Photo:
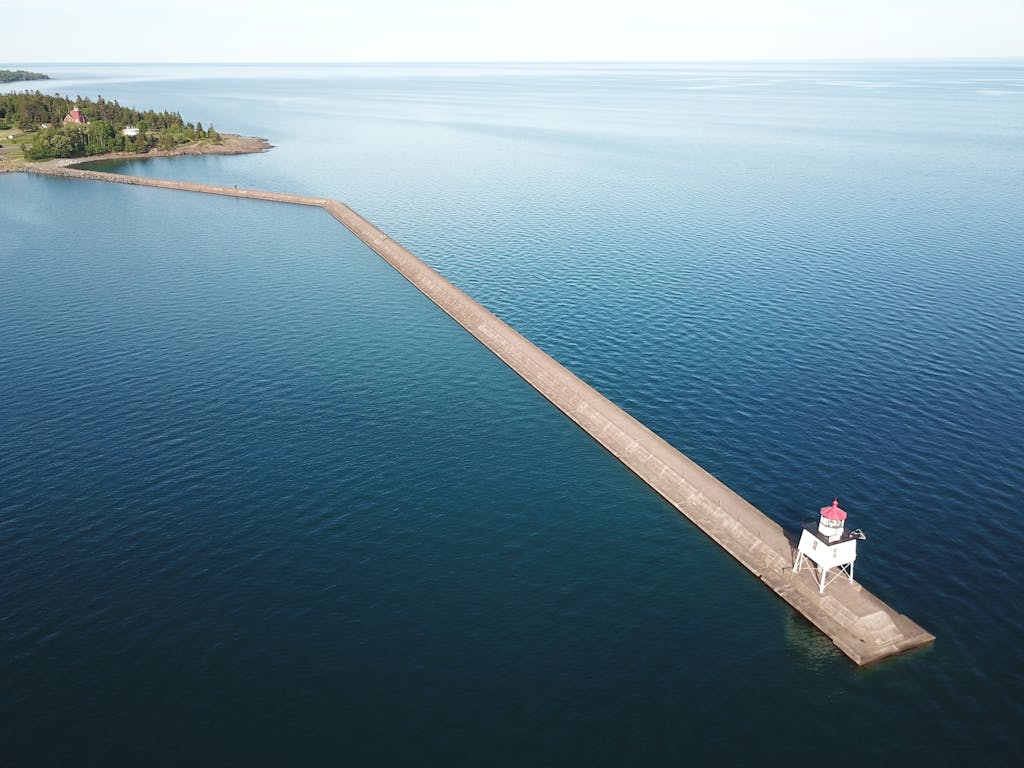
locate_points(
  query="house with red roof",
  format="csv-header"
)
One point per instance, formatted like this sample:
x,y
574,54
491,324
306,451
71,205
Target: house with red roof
x,y
74,116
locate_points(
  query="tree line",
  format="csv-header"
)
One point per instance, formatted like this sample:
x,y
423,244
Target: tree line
x,y
15,75
103,133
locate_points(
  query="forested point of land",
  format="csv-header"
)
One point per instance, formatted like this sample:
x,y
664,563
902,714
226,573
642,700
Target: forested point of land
x,y
103,133
17,75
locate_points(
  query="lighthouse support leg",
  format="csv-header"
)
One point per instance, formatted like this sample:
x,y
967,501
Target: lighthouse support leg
x,y
821,584
799,562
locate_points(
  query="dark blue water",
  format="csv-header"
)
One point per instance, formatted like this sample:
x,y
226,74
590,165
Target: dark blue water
x,y
261,503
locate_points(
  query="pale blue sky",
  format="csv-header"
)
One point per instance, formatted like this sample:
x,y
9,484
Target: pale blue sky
x,y
506,30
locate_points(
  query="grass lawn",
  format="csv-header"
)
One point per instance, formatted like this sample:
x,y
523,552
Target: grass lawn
x,y
12,140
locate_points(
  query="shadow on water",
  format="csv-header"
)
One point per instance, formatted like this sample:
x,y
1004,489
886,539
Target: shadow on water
x,y
812,647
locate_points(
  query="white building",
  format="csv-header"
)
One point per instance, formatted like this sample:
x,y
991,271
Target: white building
x,y
828,546
130,131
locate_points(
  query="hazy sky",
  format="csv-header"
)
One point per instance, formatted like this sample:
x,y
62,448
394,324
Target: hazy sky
x,y
506,30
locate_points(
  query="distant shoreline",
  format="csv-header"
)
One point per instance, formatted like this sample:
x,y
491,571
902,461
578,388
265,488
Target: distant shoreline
x,y
230,144
21,76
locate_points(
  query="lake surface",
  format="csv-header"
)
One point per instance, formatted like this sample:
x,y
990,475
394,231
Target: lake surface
x,y
262,503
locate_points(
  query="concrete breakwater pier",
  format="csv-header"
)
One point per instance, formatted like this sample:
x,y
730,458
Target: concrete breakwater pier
x,y
860,624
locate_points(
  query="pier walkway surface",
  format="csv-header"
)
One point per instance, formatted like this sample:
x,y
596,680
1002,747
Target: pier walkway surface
x,y
860,624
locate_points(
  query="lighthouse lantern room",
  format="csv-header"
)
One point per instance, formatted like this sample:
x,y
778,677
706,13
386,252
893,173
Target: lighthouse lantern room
x,y
828,546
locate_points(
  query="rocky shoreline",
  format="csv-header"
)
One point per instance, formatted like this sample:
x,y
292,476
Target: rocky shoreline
x,y
230,144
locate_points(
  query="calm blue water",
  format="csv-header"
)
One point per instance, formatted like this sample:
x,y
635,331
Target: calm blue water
x,y
261,503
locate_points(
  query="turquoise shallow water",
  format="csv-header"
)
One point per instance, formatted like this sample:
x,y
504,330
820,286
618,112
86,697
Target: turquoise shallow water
x,y
262,503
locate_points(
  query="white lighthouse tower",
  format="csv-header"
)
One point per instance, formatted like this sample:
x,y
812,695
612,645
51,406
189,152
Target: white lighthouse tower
x,y
828,546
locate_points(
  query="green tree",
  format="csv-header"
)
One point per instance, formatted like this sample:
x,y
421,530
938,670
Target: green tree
x,y
101,138
61,145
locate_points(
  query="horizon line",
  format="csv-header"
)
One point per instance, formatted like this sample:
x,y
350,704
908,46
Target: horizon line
x,y
399,62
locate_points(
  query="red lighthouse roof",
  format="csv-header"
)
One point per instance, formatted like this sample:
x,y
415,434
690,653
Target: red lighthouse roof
x,y
75,116
833,512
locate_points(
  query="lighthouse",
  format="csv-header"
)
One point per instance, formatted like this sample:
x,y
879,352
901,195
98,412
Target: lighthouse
x,y
828,546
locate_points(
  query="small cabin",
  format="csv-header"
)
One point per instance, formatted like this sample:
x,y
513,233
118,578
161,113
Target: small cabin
x,y
130,131
75,116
